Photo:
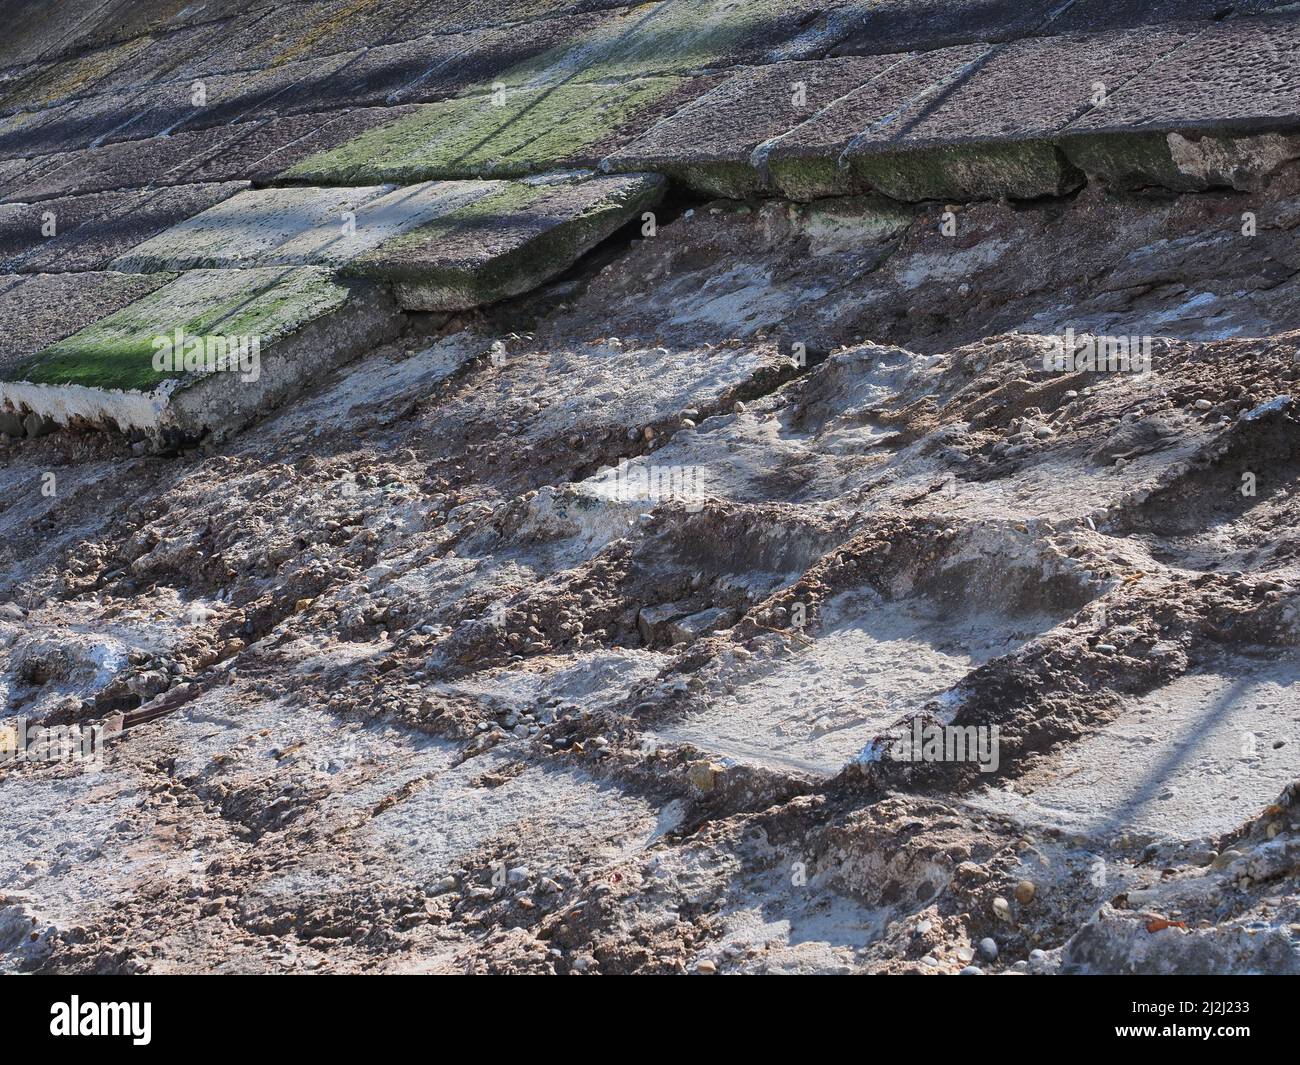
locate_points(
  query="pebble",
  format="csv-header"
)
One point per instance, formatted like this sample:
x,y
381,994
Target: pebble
x,y
965,955
989,948
1203,404
706,967
1002,908
971,970
1025,892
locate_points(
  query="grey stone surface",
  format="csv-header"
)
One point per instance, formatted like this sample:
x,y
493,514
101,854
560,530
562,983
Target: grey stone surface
x,y
92,230
40,309
246,151
1235,75
299,226
506,243
804,162
708,143
918,25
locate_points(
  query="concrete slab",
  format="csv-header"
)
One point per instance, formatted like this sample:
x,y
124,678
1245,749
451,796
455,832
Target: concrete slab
x,y
44,84
1032,88
1222,109
1242,75
892,26
37,310
1099,15
514,133
254,151
90,231
506,243
299,226
708,144
678,37
287,325
804,163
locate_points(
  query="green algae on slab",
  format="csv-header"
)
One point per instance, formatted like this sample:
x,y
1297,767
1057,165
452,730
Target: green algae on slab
x,y
117,352
972,171
511,133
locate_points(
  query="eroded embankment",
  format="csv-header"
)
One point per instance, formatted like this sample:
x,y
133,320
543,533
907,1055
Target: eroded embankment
x,y
580,634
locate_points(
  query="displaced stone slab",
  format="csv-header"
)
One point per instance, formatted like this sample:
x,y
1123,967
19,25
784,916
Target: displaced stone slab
x,y
708,144
37,310
1033,88
299,226
510,134
88,232
1017,169
1242,75
247,340
805,163
508,242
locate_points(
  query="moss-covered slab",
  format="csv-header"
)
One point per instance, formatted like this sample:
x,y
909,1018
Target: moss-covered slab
x,y
1017,169
37,310
505,134
710,144
1190,161
299,226
205,353
509,242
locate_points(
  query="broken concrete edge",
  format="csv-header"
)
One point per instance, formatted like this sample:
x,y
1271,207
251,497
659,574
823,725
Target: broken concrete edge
x,y
208,404
1183,159
425,287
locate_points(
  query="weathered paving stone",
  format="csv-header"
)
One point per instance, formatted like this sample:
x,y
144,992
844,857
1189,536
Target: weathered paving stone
x,y
915,25
254,151
688,36
299,226
37,310
506,243
438,66
518,132
1215,111
709,144
1095,15
1243,75
1032,88
89,231
805,163
301,321
43,84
